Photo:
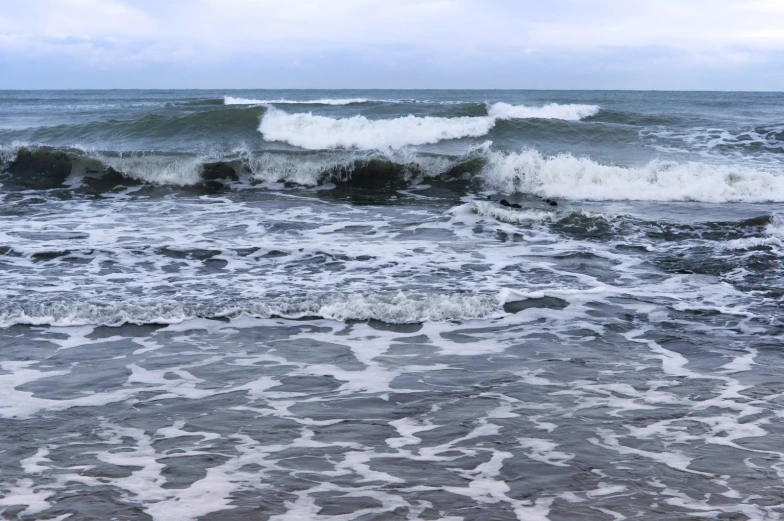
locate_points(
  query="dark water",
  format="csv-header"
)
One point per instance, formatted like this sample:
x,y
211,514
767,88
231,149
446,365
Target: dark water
x,y
381,305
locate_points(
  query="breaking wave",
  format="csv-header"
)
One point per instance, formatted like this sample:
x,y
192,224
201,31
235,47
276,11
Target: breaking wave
x,y
562,176
569,177
313,132
161,170
549,111
314,169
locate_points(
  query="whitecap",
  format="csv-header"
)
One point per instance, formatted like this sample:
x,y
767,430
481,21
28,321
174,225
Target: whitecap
x,y
313,132
570,112
569,177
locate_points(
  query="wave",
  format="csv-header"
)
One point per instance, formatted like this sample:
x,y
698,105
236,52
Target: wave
x,y
229,100
176,132
161,170
26,166
311,169
200,127
638,119
392,308
568,177
311,132
550,111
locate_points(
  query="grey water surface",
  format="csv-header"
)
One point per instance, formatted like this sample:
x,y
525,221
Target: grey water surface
x,y
391,305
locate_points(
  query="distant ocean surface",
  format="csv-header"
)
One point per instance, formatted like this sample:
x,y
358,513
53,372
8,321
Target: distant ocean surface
x,y
391,305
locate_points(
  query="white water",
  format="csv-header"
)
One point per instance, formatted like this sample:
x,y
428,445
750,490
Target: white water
x,y
320,132
314,132
569,177
569,112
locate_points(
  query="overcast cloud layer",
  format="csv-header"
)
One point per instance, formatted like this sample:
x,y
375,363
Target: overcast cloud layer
x,y
565,44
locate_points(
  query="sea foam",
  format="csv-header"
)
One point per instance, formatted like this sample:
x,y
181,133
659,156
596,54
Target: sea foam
x,y
569,177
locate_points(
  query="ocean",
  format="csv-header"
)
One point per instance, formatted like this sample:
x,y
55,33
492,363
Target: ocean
x,y
391,305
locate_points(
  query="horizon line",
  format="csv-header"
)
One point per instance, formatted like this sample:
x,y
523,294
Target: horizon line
x,y
66,89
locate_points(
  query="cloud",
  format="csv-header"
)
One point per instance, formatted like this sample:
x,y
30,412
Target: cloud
x,y
498,43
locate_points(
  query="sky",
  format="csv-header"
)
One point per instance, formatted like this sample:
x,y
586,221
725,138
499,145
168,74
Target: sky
x,y
506,44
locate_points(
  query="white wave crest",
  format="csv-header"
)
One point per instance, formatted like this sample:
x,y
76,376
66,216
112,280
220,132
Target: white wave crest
x,y
313,132
551,111
320,132
229,100
569,177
